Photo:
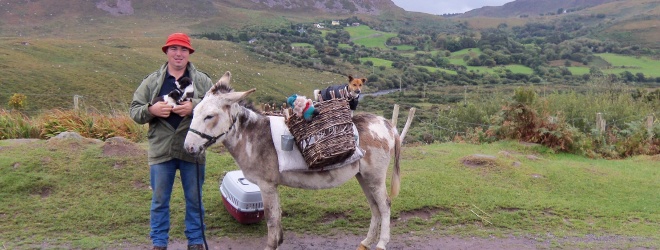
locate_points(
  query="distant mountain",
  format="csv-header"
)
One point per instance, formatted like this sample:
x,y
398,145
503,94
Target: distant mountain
x,y
25,17
533,8
25,10
371,7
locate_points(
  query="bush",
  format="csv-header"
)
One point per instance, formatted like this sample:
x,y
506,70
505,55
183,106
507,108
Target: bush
x,y
91,125
635,139
53,122
14,125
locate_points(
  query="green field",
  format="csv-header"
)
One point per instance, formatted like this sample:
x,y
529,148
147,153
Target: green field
x,y
473,52
433,69
69,194
377,61
622,63
519,69
617,64
404,47
303,45
579,70
364,35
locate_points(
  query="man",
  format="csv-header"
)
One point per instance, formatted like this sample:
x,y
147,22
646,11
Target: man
x,y
168,126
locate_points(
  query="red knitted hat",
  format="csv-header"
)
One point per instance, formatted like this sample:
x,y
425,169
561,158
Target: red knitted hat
x,y
180,39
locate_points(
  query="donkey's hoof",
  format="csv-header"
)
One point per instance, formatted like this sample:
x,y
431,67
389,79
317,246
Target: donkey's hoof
x,y
362,247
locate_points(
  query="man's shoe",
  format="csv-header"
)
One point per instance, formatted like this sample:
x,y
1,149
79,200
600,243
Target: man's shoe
x,y
159,248
196,247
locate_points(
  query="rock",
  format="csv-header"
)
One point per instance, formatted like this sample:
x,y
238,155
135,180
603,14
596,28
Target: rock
x,y
68,135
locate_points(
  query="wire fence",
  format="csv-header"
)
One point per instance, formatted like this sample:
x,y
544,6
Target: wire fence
x,y
442,127
78,102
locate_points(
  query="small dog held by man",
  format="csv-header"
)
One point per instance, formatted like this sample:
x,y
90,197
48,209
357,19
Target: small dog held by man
x,y
353,89
183,92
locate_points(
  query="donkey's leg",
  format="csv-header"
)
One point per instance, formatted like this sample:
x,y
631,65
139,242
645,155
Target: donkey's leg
x,y
384,206
375,215
273,214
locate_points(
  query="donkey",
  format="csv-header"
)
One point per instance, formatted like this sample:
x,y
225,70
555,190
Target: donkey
x,y
246,134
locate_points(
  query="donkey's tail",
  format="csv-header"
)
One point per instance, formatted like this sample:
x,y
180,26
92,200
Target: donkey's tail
x,y
396,174
411,114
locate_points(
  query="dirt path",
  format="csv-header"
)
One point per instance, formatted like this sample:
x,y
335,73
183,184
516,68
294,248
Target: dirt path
x,y
294,241
398,242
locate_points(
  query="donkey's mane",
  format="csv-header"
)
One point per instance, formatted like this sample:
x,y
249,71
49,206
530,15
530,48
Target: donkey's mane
x,y
221,88
249,105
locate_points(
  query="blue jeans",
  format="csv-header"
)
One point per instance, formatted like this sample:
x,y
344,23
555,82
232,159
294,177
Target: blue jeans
x,y
162,180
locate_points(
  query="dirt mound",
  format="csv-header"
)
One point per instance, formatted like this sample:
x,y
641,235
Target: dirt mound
x,y
119,146
478,160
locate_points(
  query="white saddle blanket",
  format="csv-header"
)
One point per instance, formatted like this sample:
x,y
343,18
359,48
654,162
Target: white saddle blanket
x,y
293,160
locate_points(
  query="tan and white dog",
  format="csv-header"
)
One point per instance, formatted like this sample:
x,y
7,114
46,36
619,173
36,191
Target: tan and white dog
x,y
353,88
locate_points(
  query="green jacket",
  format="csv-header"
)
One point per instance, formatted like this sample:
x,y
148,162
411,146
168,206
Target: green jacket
x,y
166,142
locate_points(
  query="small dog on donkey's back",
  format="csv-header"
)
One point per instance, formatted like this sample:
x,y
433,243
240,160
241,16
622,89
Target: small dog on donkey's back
x,y
353,88
183,92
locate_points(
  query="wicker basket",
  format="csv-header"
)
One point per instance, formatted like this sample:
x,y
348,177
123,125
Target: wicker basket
x,y
328,138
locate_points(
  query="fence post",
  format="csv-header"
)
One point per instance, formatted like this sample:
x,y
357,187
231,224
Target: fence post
x,y
649,126
600,122
465,96
76,100
395,115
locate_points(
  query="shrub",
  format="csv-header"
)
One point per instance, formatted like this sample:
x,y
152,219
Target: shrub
x,y
519,120
17,101
15,125
635,139
91,125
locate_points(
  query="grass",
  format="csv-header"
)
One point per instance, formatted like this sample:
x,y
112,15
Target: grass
x,y
579,70
377,61
364,35
473,52
404,47
302,45
106,72
519,69
433,69
70,193
621,63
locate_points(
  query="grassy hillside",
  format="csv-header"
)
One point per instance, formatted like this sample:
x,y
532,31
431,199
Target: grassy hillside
x,y
89,194
365,36
107,71
631,21
532,8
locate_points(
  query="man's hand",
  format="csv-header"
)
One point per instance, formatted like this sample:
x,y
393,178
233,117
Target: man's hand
x,y
160,109
184,109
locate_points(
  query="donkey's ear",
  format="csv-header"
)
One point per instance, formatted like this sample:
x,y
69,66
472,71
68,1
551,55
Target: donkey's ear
x,y
225,79
237,96
222,86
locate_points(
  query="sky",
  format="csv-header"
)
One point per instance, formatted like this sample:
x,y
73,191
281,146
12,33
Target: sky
x,y
440,7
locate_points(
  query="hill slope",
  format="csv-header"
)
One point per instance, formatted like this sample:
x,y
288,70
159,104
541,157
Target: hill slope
x,y
105,72
19,17
371,7
531,8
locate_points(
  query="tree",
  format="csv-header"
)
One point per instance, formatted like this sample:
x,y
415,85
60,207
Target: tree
x,y
327,60
627,76
595,71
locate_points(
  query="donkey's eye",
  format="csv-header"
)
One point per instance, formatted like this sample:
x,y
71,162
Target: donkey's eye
x,y
208,117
